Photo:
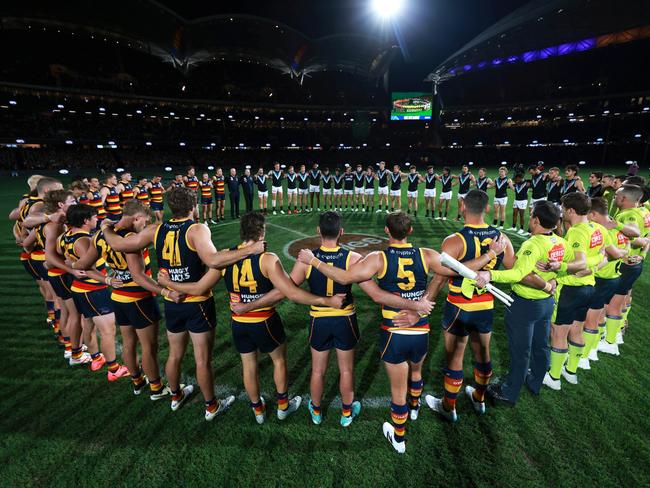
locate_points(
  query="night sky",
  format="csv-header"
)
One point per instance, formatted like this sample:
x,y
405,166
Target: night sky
x,y
431,29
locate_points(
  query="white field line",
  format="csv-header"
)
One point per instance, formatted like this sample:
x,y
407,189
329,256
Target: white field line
x,y
222,391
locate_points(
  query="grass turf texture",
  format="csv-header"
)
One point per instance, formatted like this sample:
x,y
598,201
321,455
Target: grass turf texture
x,y
63,426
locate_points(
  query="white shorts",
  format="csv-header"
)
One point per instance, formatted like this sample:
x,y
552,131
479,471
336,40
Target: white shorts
x,y
314,188
302,191
520,204
292,191
445,195
338,191
348,192
461,196
501,201
276,189
429,193
396,193
264,194
412,194
382,190
358,190
535,200
369,191
327,191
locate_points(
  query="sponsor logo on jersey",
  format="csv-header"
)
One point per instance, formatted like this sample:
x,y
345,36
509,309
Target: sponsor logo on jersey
x,y
596,239
556,253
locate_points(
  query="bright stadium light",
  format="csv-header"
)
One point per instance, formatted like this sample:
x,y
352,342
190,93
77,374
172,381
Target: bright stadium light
x,y
387,8
582,163
120,170
147,143
248,166
638,136
168,168
69,142
182,144
283,166
20,141
63,171
210,167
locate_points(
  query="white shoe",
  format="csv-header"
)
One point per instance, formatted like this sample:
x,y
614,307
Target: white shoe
x,y
67,354
438,218
282,212
479,407
414,412
206,224
607,348
387,211
84,348
318,209
593,354
363,209
294,403
261,417
500,227
154,397
378,210
444,218
570,377
619,338
521,232
187,391
224,405
84,359
551,383
436,405
389,433
274,212
512,229
584,363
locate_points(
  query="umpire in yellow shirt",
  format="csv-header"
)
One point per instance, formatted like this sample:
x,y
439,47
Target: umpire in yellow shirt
x,y
528,320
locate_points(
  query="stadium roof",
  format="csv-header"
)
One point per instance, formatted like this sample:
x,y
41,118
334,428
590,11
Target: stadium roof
x,y
151,27
546,28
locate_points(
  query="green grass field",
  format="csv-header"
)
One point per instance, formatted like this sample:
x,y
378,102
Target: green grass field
x,y
62,426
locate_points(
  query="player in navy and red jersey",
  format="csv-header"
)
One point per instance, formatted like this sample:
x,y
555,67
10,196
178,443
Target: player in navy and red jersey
x,y
185,249
219,182
401,269
468,310
192,182
142,191
30,215
90,291
66,322
111,197
157,190
206,186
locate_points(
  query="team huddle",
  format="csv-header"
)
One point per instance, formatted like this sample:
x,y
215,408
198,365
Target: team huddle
x,y
88,249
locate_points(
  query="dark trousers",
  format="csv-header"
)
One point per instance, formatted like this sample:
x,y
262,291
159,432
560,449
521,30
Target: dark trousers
x,y
248,197
528,324
234,205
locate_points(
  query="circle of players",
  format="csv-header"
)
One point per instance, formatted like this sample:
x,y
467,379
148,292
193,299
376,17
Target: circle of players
x,y
87,248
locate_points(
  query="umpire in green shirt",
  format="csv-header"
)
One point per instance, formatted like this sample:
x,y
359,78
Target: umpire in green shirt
x,y
528,320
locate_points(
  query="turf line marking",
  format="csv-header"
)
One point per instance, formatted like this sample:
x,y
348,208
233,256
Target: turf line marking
x,y
222,391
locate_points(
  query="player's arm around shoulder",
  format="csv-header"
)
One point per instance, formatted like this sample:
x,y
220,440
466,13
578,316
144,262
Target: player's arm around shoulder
x,y
509,256
196,288
362,270
133,242
272,267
